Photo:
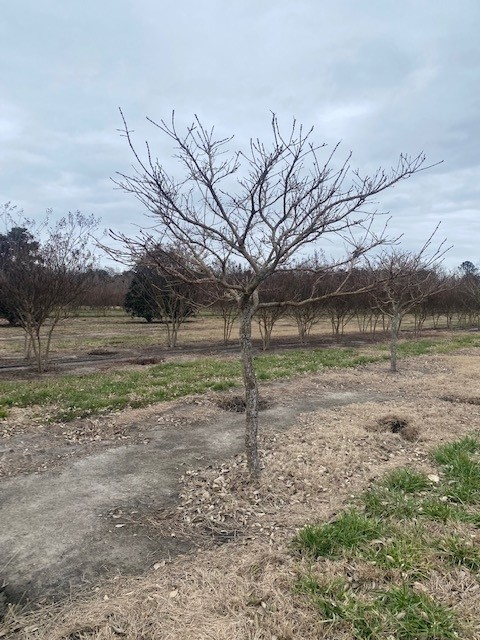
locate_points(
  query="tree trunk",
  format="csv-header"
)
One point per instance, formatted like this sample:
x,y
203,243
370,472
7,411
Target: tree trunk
x,y
228,320
248,304
394,329
302,331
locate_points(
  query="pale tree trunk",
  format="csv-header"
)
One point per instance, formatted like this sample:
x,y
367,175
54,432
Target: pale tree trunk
x,y
54,321
302,331
36,342
247,305
266,328
394,329
28,346
171,334
228,320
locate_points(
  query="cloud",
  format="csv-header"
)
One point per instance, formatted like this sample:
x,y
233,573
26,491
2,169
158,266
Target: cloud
x,y
383,77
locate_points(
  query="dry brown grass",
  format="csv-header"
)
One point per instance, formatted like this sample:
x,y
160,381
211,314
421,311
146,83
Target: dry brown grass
x,y
246,589
117,332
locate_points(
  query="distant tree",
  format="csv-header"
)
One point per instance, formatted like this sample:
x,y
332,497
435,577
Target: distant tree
x,y
469,294
44,277
467,268
17,246
340,309
271,290
107,289
227,309
285,201
155,293
141,297
304,282
404,280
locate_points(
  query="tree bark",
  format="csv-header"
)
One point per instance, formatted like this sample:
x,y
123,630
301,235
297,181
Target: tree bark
x,y
394,329
248,304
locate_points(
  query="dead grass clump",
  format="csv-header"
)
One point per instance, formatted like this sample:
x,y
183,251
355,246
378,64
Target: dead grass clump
x,y
233,592
461,399
394,424
236,403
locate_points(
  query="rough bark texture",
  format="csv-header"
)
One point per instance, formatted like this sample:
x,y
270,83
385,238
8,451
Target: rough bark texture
x,y
247,310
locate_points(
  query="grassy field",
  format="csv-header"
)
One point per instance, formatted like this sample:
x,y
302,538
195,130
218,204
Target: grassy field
x,y
70,396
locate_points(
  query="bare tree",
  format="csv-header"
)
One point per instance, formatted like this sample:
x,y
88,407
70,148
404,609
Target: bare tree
x,y
405,280
44,286
107,289
156,293
271,290
260,208
227,309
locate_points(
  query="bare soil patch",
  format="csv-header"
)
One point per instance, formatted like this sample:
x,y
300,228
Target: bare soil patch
x,y
340,439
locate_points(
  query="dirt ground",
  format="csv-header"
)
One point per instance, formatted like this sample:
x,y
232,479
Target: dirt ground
x,y
78,507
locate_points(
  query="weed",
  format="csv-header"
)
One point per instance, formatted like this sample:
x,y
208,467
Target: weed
x,y
380,502
330,597
459,552
407,480
85,395
399,612
452,452
349,531
384,535
405,550
461,470
438,509
414,615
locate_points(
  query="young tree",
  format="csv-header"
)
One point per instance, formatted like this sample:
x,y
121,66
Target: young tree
x,y
260,208
44,284
271,290
405,280
227,309
156,293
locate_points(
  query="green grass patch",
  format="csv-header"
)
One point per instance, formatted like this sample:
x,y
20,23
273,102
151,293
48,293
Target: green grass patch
x,y
274,366
425,346
399,612
405,549
330,598
391,540
73,396
461,468
349,531
381,502
451,453
412,615
407,480
461,552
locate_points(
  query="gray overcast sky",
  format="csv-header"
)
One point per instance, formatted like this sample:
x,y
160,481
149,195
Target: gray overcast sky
x,y
382,76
